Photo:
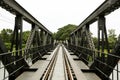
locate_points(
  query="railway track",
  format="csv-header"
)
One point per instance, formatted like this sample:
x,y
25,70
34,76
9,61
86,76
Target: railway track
x,y
59,60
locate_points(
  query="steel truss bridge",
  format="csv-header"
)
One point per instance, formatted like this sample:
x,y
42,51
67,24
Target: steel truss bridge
x,y
42,59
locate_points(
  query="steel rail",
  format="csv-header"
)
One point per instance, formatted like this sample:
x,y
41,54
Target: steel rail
x,y
78,74
47,75
49,71
69,73
68,67
65,70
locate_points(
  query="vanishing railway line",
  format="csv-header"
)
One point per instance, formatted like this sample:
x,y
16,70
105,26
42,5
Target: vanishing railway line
x,y
90,64
59,67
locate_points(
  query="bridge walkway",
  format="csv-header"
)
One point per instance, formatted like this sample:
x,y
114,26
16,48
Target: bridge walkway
x,y
39,69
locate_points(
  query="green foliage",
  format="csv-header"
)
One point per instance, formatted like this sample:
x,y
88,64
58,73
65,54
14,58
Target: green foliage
x,y
54,35
6,35
64,32
111,38
8,45
25,36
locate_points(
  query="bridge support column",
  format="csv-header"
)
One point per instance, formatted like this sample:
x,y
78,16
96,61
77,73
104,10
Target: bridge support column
x,y
49,39
17,35
102,34
41,37
102,45
34,42
38,37
76,38
45,38
17,41
71,40
50,42
83,37
79,38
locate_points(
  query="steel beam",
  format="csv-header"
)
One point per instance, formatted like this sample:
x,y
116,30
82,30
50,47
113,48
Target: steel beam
x,y
76,38
17,9
102,34
17,41
17,36
45,38
50,42
42,37
104,9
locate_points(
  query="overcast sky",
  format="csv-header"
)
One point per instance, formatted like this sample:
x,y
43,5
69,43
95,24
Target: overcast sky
x,y
58,13
54,14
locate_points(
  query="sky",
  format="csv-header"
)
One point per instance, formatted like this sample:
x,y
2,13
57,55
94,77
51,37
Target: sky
x,y
54,14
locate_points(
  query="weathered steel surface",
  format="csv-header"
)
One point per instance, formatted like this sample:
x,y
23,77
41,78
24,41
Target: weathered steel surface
x,y
104,9
79,74
13,7
41,65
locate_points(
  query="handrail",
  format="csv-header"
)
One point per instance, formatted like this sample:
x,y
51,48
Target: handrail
x,y
13,62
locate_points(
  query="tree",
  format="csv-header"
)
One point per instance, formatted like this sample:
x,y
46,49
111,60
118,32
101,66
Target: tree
x,y
25,36
54,35
111,38
64,32
6,35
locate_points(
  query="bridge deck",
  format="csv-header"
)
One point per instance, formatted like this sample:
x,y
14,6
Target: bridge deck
x,y
58,73
88,75
41,65
28,75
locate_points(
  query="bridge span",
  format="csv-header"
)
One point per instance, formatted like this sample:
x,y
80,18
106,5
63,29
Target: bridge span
x,y
59,65
44,59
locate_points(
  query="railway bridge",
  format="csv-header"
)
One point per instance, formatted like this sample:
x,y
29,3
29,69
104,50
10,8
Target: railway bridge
x,y
43,59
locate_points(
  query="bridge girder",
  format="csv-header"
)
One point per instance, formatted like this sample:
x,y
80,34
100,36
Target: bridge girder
x,y
82,44
38,43
104,9
13,7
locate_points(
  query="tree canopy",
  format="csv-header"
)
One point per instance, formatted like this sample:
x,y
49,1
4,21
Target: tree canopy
x,y
64,32
111,37
6,35
25,36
